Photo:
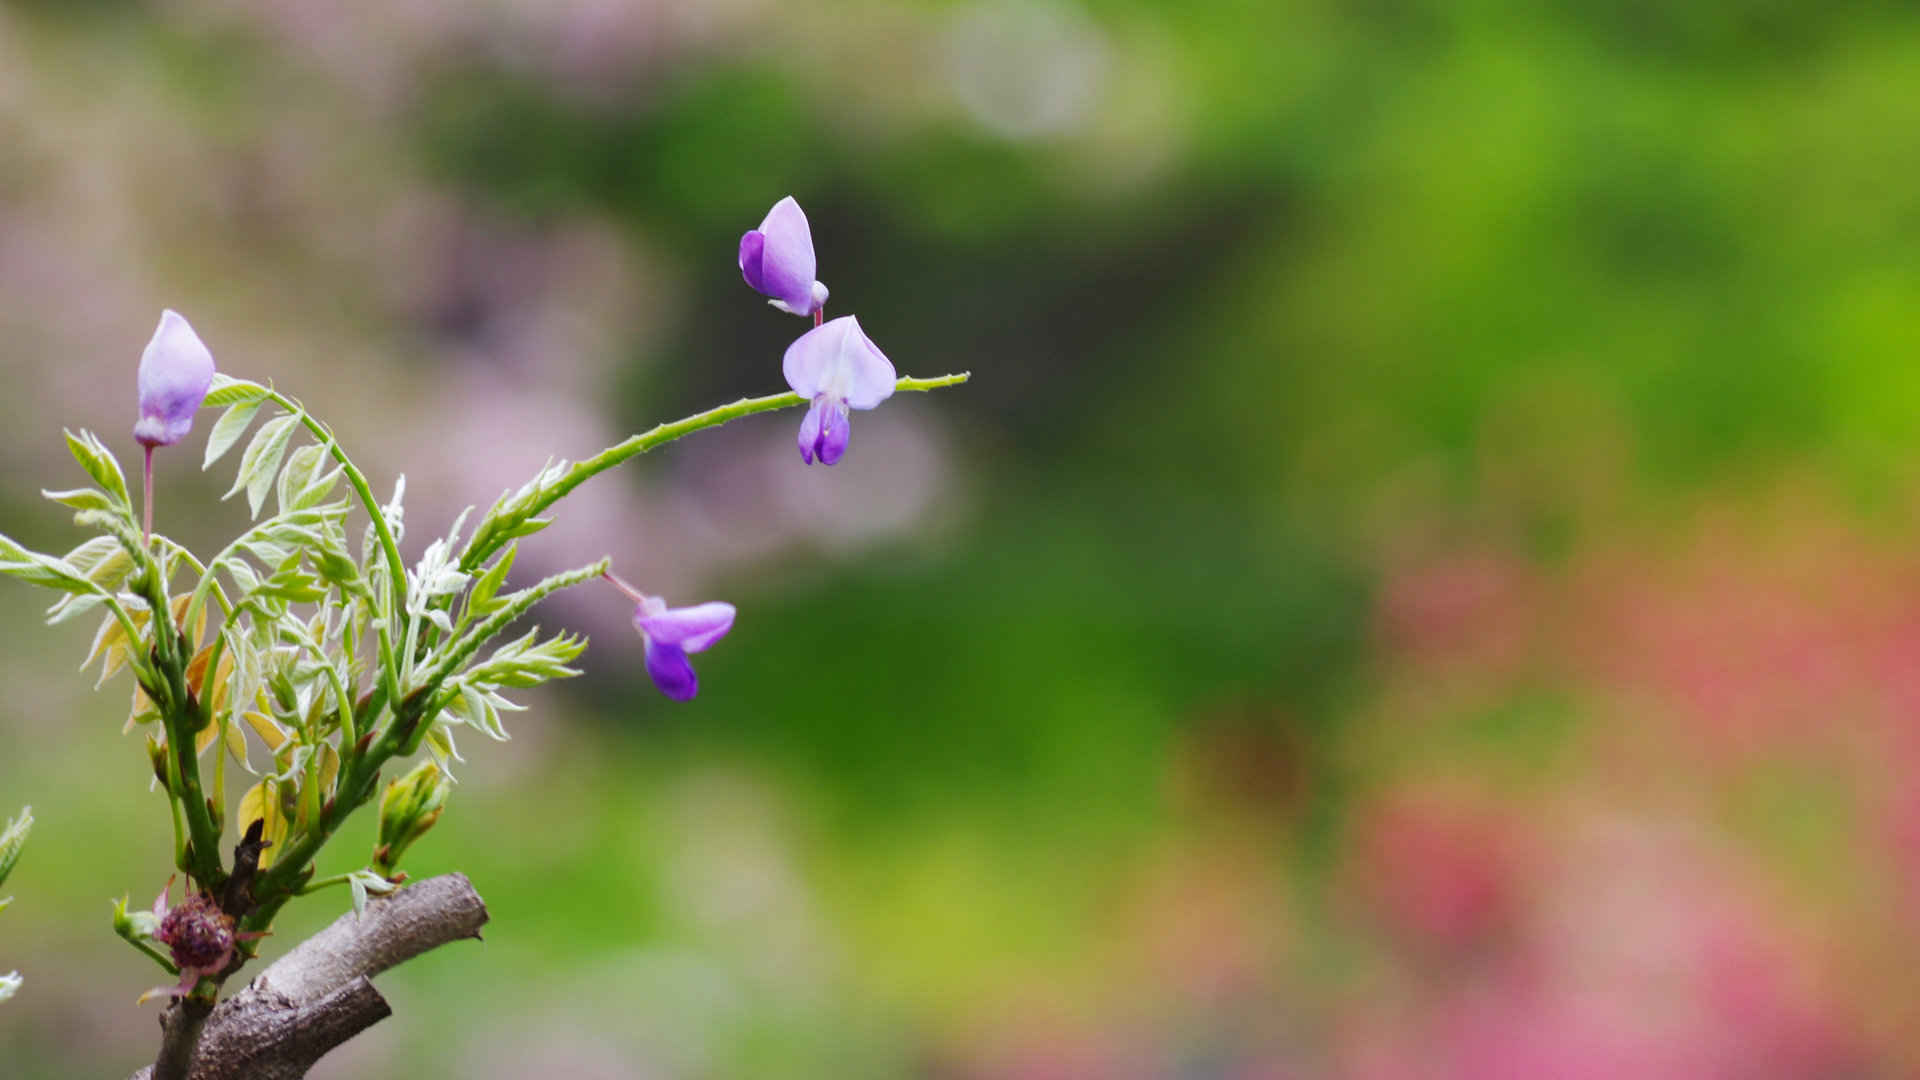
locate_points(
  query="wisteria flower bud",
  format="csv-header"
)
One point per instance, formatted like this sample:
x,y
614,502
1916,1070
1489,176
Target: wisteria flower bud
x,y
777,260
175,371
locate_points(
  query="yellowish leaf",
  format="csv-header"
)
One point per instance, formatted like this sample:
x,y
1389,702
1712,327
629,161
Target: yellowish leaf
x,y
179,605
262,803
142,711
270,733
236,742
329,768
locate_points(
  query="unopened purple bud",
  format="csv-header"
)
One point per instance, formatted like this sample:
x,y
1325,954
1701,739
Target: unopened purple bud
x,y
777,260
175,371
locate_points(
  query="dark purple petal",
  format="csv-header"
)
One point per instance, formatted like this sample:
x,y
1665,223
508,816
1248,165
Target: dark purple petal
x,y
671,671
834,433
690,628
810,429
751,245
175,371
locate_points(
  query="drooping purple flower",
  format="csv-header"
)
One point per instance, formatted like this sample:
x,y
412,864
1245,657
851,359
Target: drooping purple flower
x,y
836,367
777,260
175,371
671,633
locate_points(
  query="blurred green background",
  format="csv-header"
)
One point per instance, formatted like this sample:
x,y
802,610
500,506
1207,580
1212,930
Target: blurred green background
x,y
1422,583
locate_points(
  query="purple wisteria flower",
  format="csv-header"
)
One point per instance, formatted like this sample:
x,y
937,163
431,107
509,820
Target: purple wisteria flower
x,y
175,371
777,260
836,367
672,633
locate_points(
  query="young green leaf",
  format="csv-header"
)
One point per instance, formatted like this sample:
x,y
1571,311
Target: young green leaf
x,y
82,499
261,462
228,429
93,456
480,600
227,390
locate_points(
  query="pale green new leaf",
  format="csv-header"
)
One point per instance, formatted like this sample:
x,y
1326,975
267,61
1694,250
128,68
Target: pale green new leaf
x,y
303,467
526,662
227,390
473,709
38,569
93,456
228,429
480,600
82,499
262,459
12,839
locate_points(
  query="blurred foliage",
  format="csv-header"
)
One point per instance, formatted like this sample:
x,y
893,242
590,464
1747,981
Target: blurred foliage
x,y
1309,299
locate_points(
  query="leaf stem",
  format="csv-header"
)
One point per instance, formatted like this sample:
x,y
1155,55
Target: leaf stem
x,y
323,883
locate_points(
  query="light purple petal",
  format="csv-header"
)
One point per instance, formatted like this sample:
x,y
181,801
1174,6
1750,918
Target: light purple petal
x,y
809,363
869,374
786,257
175,372
810,429
819,301
834,433
751,245
690,628
839,360
670,670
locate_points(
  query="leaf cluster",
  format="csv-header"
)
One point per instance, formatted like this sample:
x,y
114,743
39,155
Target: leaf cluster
x,y
299,657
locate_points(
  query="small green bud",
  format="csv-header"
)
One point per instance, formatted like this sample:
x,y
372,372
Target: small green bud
x,y
157,753
335,566
408,808
137,925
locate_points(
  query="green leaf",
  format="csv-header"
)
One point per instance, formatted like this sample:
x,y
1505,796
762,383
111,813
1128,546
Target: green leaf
x,y
12,839
524,662
262,460
293,586
526,528
303,466
480,600
93,456
474,710
74,606
82,499
37,569
228,429
226,390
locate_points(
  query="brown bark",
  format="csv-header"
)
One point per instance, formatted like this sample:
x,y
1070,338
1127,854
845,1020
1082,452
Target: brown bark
x,y
318,996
